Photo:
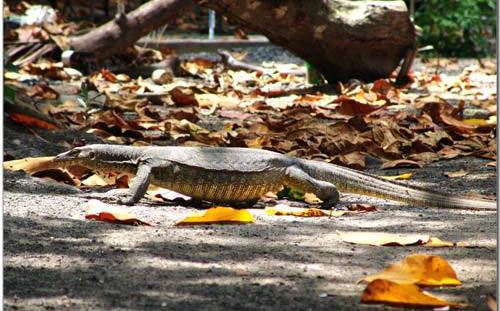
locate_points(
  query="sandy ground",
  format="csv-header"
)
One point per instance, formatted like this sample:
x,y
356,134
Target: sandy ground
x,y
54,259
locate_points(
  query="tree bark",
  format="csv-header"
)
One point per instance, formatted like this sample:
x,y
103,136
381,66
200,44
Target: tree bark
x,y
124,30
365,40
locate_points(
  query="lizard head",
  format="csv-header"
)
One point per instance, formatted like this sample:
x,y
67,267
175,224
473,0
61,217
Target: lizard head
x,y
101,157
79,155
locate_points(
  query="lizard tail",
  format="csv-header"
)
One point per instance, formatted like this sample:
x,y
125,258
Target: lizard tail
x,y
356,182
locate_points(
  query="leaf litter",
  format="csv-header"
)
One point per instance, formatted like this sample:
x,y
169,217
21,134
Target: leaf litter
x,y
210,105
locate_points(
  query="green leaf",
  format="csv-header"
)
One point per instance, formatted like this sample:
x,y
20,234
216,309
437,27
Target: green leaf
x,y
9,93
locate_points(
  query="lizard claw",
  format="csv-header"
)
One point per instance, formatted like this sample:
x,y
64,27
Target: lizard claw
x,y
331,203
128,202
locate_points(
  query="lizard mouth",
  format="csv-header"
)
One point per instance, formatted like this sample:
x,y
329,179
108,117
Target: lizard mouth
x,y
68,155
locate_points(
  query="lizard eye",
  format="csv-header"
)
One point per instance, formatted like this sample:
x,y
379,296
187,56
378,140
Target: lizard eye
x,y
91,155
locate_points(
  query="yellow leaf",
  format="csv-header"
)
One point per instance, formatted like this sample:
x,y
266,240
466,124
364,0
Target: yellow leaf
x,y
102,212
311,198
436,242
478,122
410,295
420,269
218,215
458,173
379,102
31,165
399,177
283,210
95,180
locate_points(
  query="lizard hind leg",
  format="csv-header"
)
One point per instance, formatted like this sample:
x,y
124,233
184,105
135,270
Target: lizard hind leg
x,y
327,192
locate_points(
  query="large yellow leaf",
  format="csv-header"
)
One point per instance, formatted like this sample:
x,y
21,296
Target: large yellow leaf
x,y
420,269
218,215
31,165
410,295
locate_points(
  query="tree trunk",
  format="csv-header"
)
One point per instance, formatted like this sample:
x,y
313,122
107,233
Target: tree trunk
x,y
365,40
124,30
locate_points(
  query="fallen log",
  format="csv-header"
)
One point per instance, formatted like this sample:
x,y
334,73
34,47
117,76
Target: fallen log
x,y
124,30
364,40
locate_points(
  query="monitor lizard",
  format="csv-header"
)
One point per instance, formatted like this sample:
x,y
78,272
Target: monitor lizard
x,y
242,174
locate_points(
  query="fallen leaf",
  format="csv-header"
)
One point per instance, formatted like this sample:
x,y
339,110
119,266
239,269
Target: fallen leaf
x,y
408,295
97,180
362,207
419,269
477,122
183,97
102,212
401,163
311,198
31,121
31,165
218,215
493,164
350,107
162,194
43,91
284,210
492,302
437,242
398,177
458,173
383,238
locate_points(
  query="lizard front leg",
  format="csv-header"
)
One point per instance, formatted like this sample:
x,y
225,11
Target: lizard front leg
x,y
327,192
140,183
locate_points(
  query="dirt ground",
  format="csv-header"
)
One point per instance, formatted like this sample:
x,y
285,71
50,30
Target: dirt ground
x,y
54,259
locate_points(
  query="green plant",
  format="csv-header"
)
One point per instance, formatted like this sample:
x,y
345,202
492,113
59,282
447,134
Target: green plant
x,y
458,27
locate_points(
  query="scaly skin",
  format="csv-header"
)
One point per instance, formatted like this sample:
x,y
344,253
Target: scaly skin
x,y
242,174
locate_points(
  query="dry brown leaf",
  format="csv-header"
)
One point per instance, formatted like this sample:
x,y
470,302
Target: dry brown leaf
x,y
354,160
492,302
31,121
218,215
426,157
284,210
459,173
43,91
350,107
440,113
109,76
102,212
493,164
407,295
401,163
449,153
183,97
362,207
419,269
